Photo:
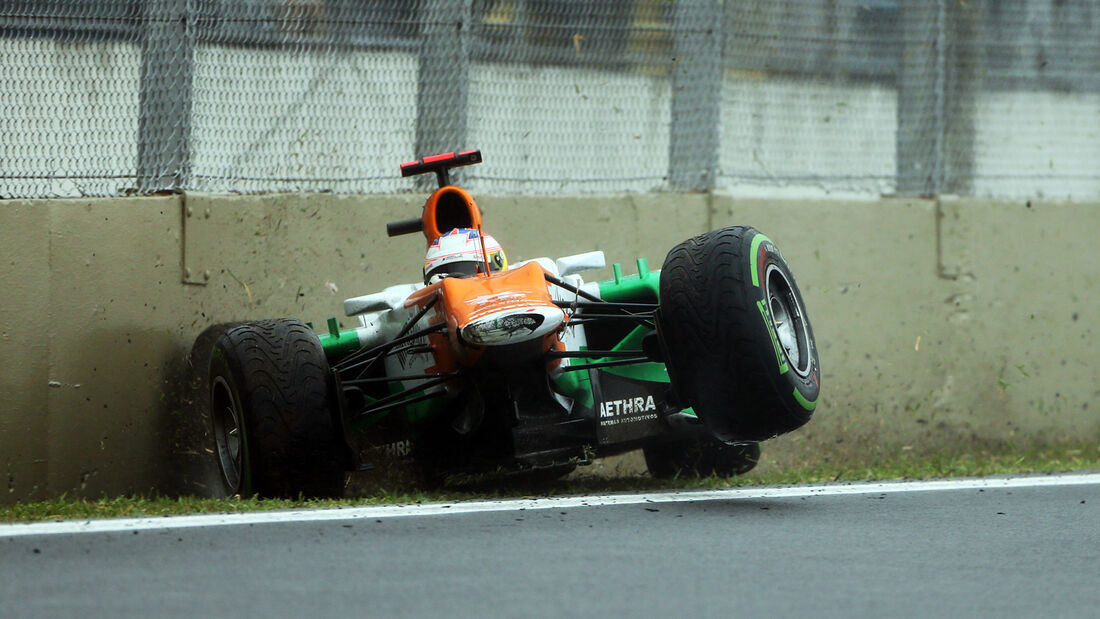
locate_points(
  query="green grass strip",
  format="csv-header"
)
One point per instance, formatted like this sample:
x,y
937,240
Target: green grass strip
x,y
1001,462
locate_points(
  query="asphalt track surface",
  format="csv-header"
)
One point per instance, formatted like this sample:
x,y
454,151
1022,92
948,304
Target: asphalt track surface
x,y
996,547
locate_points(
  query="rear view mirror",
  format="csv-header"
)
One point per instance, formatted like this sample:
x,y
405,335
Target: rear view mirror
x,y
579,263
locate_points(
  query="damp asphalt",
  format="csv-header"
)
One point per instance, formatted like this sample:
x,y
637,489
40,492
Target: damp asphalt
x,y
963,551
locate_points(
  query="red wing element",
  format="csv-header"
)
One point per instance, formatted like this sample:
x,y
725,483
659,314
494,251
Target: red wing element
x,y
440,164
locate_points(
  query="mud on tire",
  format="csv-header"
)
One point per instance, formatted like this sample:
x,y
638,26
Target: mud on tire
x,y
271,411
739,345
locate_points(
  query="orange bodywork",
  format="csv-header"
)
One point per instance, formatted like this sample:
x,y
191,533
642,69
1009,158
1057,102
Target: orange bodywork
x,y
455,196
465,299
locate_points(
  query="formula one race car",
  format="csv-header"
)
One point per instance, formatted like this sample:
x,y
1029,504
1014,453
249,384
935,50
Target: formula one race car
x,y
487,366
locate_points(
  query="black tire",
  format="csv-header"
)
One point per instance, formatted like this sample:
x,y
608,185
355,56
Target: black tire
x,y
739,346
271,412
707,456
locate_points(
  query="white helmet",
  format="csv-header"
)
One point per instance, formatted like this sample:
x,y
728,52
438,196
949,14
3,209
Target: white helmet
x,y
458,252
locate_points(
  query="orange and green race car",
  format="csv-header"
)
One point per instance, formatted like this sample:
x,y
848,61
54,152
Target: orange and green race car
x,y
488,366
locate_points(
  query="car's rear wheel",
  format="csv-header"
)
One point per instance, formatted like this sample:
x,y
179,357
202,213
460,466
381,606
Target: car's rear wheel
x,y
271,412
739,345
702,457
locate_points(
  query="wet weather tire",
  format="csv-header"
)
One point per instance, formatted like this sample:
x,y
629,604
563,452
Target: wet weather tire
x,y
691,458
739,347
271,414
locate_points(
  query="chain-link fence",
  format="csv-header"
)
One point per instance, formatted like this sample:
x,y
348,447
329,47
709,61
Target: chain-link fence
x,y
767,97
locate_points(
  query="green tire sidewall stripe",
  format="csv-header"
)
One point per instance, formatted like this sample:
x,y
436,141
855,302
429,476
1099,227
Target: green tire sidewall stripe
x,y
754,249
765,312
806,404
766,316
756,241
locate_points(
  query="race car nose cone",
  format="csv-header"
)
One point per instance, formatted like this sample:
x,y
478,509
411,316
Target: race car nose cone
x,y
513,325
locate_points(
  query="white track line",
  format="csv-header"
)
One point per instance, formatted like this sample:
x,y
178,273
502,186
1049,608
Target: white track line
x,y
66,527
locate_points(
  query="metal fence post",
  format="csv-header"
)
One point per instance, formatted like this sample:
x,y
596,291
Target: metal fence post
x,y
443,88
964,70
937,82
696,94
164,121
921,99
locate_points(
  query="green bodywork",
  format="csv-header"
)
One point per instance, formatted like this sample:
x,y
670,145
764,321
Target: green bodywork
x,y
338,344
641,288
644,287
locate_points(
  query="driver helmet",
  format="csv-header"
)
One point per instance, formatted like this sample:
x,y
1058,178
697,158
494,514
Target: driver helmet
x,y
458,253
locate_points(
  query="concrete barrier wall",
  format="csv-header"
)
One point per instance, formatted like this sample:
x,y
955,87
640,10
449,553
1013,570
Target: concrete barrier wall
x,y
948,323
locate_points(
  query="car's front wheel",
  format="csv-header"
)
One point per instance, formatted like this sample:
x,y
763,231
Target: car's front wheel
x,y
739,345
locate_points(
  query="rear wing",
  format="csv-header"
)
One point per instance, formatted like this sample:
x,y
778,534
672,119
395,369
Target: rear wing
x,y
441,164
